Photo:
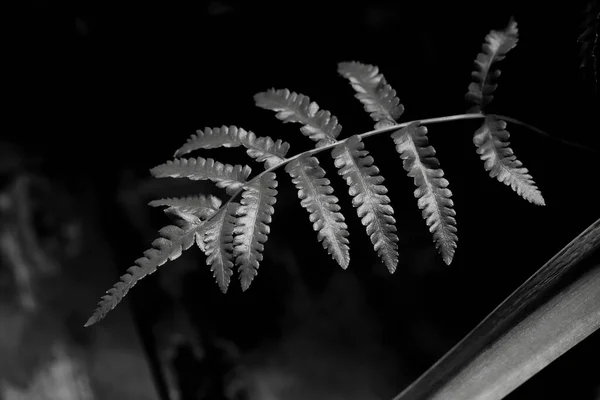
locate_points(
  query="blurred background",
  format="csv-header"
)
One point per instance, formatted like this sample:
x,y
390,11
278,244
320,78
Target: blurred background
x,y
88,111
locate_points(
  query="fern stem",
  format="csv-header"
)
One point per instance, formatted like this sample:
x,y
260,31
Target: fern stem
x,y
447,118
427,121
546,134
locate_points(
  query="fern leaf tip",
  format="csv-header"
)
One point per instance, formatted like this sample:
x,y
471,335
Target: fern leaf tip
x,y
344,263
391,264
537,199
448,257
245,283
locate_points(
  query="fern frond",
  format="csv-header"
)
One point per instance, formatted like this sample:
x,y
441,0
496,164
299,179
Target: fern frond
x,y
218,244
369,196
263,149
498,43
319,125
377,96
252,226
432,188
169,246
492,144
315,193
229,177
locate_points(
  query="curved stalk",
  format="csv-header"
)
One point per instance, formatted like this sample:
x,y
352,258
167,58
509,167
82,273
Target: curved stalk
x,y
428,121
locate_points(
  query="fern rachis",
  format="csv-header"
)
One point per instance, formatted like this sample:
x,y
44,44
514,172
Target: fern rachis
x,y
234,232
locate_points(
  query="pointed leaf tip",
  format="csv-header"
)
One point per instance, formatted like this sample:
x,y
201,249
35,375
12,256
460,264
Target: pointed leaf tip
x,y
448,259
245,284
172,242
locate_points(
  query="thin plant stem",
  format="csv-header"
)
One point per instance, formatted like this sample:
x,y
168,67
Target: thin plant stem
x,y
429,121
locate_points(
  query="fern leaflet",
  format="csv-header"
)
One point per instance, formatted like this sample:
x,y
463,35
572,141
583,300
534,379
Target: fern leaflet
x,y
210,139
373,91
226,176
498,43
252,226
317,197
432,189
319,125
492,144
218,244
368,195
263,149
169,246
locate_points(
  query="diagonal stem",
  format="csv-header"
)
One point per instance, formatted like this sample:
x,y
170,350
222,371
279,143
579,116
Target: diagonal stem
x,y
556,308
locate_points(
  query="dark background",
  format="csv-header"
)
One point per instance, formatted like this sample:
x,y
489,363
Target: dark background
x,y
102,104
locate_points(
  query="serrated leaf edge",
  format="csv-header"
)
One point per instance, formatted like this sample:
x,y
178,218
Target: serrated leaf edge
x,y
497,45
226,176
432,192
316,196
368,194
378,97
491,140
261,148
318,125
252,226
169,246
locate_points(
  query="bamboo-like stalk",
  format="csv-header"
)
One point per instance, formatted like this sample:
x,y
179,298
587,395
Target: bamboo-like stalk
x,y
556,308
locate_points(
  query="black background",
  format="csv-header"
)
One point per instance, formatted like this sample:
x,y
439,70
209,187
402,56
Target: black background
x,y
135,79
